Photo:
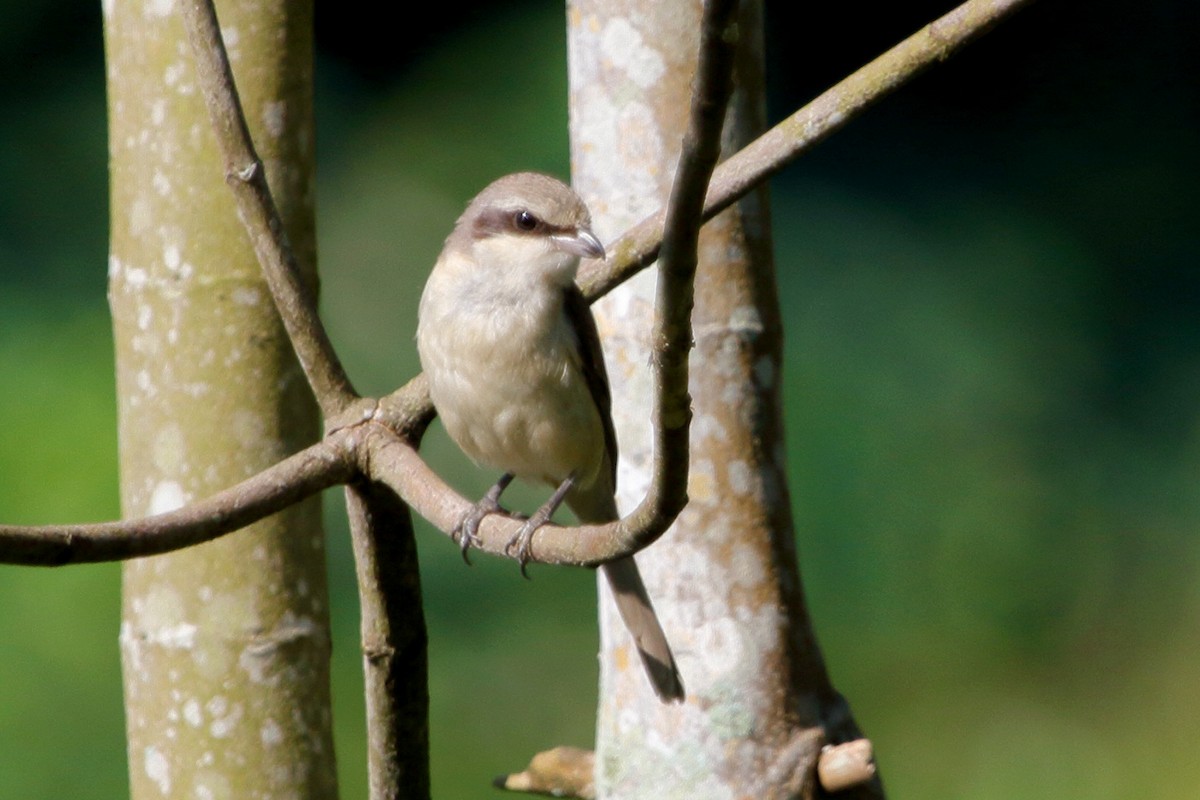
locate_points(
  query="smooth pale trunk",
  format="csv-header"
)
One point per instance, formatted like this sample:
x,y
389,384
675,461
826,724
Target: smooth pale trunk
x,y
724,579
225,646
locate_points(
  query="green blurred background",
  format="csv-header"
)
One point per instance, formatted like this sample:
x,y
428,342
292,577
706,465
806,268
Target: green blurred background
x,y
993,360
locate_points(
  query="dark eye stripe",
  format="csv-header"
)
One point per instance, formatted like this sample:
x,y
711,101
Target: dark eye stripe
x,y
493,221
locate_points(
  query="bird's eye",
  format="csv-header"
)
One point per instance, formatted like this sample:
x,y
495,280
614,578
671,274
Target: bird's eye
x,y
524,221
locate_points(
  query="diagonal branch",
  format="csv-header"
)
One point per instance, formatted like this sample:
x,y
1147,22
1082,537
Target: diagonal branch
x,y
768,154
247,177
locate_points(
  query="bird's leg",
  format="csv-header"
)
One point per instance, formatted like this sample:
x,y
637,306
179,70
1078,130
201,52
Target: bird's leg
x,y
465,532
524,538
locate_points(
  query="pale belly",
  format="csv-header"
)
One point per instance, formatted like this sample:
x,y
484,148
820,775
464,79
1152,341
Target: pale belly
x,y
513,406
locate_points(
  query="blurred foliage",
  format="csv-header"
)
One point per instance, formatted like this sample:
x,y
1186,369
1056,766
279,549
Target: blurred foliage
x,y
992,366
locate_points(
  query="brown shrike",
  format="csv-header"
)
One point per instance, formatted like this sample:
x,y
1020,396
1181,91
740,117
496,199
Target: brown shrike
x,y
516,373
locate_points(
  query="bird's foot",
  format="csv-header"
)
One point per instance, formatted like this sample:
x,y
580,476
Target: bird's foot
x,y
521,545
466,532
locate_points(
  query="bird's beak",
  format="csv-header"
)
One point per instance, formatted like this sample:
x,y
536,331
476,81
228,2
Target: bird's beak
x,y
580,242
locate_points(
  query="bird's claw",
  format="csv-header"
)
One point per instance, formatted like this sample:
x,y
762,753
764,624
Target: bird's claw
x,y
465,538
521,545
466,533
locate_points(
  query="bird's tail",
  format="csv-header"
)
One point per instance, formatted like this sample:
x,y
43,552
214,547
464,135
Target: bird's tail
x,y
596,504
639,617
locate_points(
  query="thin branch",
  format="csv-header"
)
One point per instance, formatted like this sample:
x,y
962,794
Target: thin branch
x,y
395,668
395,463
672,334
318,467
768,154
247,177
366,448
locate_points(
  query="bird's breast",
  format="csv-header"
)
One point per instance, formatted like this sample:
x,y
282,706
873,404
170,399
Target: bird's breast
x,y
506,382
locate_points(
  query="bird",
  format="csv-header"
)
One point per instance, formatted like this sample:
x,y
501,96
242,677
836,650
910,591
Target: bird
x,y
516,374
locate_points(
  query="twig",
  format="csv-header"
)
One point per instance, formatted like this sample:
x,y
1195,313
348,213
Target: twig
x,y
247,177
327,463
768,154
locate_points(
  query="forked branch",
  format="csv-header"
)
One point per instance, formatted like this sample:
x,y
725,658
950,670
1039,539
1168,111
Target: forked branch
x,y
386,432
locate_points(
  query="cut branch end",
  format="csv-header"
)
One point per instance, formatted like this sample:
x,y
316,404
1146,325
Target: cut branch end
x,y
847,765
561,772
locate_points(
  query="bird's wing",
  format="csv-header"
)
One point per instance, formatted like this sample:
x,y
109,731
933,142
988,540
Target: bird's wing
x,y
591,356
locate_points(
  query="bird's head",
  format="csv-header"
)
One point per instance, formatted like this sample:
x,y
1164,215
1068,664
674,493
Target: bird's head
x,y
530,224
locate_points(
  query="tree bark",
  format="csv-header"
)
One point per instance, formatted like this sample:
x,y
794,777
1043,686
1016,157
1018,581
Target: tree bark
x,y
225,646
725,579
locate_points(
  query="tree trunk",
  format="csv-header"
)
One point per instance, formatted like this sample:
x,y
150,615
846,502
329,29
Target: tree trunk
x,y
725,578
225,646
